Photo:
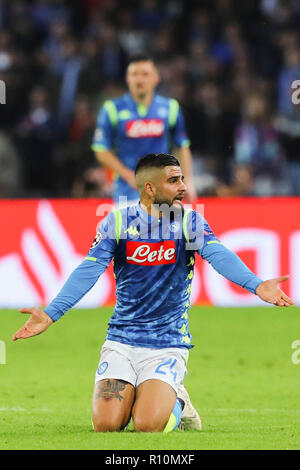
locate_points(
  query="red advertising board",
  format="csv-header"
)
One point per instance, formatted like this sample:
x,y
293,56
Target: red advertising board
x,y
42,241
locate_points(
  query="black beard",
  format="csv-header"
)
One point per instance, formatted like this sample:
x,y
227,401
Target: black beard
x,y
162,201
168,208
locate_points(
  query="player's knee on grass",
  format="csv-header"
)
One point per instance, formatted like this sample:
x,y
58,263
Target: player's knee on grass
x,y
143,423
153,406
112,403
106,425
110,420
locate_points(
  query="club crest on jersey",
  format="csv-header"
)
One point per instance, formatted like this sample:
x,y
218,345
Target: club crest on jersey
x,y
139,128
151,254
174,227
97,240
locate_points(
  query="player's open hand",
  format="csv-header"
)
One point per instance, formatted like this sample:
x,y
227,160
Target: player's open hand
x,y
271,293
37,323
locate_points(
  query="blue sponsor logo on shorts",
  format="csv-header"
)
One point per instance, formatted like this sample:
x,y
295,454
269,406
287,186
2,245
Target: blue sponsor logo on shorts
x,y
102,368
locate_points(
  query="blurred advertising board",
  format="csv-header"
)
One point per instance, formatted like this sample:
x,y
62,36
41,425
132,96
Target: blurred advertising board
x,y
42,241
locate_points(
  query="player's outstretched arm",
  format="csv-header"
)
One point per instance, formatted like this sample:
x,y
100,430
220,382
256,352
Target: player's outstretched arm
x,y
271,293
37,323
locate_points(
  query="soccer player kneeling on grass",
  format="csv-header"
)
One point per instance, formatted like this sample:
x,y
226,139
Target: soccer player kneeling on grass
x,y
153,244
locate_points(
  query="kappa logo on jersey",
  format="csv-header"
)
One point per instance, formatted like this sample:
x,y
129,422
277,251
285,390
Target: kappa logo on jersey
x,y
133,231
97,240
151,254
140,128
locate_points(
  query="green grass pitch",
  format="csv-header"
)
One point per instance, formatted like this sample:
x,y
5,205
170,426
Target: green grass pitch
x,y
241,379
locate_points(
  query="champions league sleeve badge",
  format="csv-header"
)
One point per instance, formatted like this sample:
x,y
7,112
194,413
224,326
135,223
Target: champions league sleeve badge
x,y
97,240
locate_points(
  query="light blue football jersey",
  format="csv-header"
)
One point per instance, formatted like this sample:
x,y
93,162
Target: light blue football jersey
x,y
132,131
154,267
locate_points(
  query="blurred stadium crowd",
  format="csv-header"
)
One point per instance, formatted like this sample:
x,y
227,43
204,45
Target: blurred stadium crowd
x,y
230,64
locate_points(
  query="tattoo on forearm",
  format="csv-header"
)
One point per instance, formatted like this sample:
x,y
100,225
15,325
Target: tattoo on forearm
x,y
110,389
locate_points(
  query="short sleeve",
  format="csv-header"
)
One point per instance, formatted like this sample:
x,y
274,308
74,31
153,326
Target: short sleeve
x,y
180,136
198,232
103,136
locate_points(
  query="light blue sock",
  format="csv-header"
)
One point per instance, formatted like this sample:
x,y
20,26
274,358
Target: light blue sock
x,y
175,417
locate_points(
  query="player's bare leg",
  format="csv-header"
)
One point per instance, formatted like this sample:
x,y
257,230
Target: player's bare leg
x,y
153,406
112,404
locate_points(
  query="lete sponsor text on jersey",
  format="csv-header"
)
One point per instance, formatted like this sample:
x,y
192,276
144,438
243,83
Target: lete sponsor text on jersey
x,y
151,254
140,128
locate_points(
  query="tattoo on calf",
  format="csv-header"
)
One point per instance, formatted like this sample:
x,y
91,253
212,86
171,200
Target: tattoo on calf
x,y
110,389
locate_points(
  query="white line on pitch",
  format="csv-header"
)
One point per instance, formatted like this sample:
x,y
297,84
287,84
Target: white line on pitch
x,y
20,409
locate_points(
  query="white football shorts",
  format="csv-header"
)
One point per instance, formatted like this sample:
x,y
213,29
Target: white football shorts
x,y
136,365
